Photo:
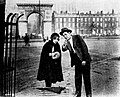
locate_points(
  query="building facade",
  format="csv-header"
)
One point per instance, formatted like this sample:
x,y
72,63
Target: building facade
x,y
86,23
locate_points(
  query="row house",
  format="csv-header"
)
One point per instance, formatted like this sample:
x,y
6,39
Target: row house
x,y
86,23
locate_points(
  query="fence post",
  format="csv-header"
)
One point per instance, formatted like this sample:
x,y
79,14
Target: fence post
x,y
2,31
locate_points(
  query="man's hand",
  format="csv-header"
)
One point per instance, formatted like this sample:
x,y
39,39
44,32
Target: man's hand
x,y
83,63
64,44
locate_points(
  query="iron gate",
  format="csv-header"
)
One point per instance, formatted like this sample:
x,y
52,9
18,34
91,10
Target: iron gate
x,y
8,71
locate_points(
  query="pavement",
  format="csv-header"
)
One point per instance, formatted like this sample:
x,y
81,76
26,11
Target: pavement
x,y
101,86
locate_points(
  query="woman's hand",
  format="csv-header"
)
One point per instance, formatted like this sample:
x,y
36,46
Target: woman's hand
x,y
51,54
55,55
83,63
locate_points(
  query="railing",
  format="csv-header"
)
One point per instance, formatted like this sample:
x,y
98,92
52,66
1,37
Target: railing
x,y
8,71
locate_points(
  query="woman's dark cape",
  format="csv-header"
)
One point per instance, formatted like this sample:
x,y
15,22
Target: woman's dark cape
x,y
50,69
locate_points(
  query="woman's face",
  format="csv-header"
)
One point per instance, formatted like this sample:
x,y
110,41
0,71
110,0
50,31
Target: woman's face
x,y
55,40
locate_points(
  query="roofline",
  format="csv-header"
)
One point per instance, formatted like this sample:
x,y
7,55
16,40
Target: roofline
x,y
34,4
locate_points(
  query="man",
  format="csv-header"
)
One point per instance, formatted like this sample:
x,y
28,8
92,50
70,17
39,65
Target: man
x,y
80,58
26,39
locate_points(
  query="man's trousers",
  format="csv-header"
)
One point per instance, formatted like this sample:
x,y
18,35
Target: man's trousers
x,y
82,71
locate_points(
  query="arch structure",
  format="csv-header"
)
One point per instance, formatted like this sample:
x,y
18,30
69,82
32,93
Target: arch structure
x,y
45,17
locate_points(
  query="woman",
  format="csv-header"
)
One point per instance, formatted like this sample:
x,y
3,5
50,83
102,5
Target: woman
x,y
50,68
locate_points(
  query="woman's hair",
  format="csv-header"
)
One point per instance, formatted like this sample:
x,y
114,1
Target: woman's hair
x,y
54,35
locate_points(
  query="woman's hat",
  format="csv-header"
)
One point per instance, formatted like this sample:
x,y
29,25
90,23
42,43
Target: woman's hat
x,y
65,30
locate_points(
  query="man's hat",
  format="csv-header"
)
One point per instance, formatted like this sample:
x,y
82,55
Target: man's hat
x,y
65,30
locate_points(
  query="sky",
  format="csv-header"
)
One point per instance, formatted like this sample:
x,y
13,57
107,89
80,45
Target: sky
x,y
81,5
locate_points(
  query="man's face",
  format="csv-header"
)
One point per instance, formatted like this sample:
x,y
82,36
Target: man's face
x,y
67,35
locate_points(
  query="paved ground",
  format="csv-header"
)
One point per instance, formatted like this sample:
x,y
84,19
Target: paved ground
x,y
105,74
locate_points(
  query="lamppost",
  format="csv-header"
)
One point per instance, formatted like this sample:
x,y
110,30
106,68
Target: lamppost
x,y
41,23
39,18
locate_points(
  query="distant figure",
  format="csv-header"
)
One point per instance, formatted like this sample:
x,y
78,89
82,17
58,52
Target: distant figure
x,y
50,68
26,39
18,37
45,39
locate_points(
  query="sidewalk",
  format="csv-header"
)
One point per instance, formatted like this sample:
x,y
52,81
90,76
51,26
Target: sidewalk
x,y
68,83
105,77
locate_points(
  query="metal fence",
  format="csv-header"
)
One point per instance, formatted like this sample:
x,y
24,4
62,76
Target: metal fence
x,y
8,71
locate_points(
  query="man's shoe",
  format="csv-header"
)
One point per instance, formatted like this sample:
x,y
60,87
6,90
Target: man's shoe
x,y
77,94
89,95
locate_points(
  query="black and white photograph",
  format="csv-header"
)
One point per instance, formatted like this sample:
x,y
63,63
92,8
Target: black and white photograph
x,y
59,48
